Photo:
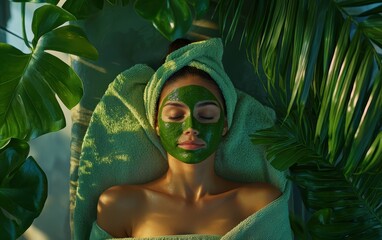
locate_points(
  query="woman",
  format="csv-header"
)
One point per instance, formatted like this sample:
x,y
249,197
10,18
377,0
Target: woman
x,y
190,198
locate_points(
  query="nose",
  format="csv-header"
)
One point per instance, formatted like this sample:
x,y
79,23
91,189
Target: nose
x,y
191,131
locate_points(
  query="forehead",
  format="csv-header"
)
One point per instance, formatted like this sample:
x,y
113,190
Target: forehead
x,y
190,80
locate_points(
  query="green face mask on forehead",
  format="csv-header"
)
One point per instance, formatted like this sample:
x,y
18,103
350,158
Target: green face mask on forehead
x,y
191,122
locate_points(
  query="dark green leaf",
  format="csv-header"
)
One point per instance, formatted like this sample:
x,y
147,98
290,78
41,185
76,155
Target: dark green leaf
x,y
360,87
372,27
171,18
371,11
200,7
371,119
23,189
47,18
83,8
38,1
334,71
298,227
113,2
125,2
356,3
149,9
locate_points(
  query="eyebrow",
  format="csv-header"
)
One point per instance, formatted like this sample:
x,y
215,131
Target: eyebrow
x,y
207,103
174,104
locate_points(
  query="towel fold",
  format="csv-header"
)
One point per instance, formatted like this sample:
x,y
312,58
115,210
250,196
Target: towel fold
x,y
121,145
98,233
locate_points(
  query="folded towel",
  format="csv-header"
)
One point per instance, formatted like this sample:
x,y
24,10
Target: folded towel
x,y
98,233
121,145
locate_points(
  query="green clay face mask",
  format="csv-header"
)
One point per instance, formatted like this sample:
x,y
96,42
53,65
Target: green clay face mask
x,y
191,122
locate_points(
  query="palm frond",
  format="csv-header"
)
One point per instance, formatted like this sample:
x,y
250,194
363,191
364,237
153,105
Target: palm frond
x,y
320,63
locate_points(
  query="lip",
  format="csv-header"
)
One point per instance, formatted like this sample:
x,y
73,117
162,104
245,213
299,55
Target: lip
x,y
189,145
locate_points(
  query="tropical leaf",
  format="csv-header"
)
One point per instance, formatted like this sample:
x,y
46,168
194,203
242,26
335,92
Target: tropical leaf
x,y
114,2
29,81
23,189
320,63
171,18
37,1
199,7
83,9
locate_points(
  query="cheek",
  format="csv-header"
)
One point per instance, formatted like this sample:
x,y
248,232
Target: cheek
x,y
211,132
169,131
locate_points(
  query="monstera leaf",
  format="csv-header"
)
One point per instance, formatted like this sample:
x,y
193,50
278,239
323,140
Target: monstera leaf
x,y
23,189
83,8
30,81
171,18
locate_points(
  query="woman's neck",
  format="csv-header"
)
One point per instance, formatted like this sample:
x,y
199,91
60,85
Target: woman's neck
x,y
191,181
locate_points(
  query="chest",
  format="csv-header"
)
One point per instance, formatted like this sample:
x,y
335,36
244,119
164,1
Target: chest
x,y
168,217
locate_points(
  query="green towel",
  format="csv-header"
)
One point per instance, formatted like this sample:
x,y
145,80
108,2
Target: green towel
x,y
204,55
121,145
100,234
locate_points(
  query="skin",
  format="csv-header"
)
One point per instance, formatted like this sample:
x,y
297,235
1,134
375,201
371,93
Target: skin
x,y
189,198
190,123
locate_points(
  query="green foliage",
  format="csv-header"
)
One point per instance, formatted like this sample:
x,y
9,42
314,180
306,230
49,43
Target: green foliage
x,y
23,189
28,104
30,83
321,67
38,1
171,18
83,8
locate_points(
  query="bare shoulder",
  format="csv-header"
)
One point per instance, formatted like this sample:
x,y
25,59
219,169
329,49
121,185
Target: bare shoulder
x,y
255,196
117,206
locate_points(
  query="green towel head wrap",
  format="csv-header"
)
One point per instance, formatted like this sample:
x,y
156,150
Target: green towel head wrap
x,y
204,55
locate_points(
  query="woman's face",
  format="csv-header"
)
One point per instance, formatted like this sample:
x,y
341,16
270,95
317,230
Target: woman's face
x,y
190,119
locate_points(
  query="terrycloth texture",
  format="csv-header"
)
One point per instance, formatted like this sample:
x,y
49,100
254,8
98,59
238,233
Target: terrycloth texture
x,y
99,234
121,146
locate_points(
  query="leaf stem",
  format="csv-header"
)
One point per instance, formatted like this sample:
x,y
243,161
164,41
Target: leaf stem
x,y
25,37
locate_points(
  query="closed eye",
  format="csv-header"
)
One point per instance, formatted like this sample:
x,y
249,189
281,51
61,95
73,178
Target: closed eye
x,y
179,117
206,117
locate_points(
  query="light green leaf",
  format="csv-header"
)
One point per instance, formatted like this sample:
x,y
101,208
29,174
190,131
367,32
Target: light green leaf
x,y
67,39
47,18
372,161
29,82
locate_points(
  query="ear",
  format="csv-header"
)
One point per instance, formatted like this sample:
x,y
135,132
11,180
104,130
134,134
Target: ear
x,y
157,130
225,128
